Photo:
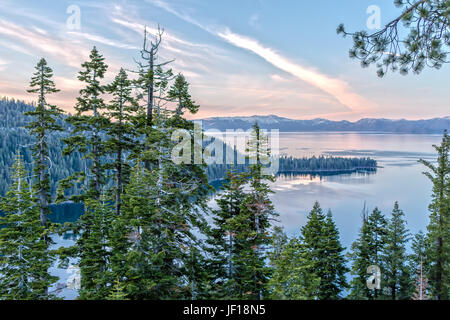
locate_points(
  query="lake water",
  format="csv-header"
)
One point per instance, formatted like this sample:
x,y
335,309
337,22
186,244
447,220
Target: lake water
x,y
399,179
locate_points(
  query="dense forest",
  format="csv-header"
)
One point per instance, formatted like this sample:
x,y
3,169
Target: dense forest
x,y
14,136
144,232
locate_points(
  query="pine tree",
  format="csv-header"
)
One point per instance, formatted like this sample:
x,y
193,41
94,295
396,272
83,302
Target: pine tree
x,y
24,259
44,122
92,248
89,121
325,252
293,276
221,240
118,292
179,93
121,132
396,273
421,285
420,247
86,137
365,252
152,82
334,281
149,270
253,224
438,227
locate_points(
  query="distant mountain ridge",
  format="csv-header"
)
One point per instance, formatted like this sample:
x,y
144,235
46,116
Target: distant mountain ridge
x,y
435,125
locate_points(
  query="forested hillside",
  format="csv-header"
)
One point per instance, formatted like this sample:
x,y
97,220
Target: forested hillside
x,y
14,136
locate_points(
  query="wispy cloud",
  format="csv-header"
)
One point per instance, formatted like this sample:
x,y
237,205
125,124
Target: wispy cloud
x,y
338,88
67,52
103,40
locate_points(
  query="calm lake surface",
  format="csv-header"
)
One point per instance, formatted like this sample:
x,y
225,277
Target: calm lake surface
x,y
400,179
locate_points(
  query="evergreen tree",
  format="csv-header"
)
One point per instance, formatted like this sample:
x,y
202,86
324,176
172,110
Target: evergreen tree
x,y
24,258
293,276
252,225
396,273
221,240
120,132
147,268
439,225
179,93
421,285
423,42
118,292
367,251
89,121
324,251
92,248
87,125
152,82
44,123
334,281
420,247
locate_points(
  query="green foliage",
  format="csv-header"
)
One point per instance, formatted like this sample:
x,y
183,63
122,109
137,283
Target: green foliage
x,y
44,122
91,248
24,259
419,37
293,276
121,132
439,228
396,272
89,121
222,237
325,253
367,251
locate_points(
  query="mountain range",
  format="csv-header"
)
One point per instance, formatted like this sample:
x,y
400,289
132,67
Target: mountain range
x,y
435,125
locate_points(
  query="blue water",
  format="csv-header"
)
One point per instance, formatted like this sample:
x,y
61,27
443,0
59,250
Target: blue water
x,y
399,179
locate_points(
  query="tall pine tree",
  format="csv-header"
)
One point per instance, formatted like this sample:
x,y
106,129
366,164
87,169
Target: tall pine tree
x,y
222,248
367,251
439,226
253,224
325,252
24,258
292,276
397,274
88,122
121,133
44,122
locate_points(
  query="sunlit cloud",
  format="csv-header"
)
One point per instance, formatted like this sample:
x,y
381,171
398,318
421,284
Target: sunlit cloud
x,y
67,52
337,88
103,40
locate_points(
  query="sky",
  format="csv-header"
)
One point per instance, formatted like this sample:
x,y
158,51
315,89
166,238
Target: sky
x,y
241,57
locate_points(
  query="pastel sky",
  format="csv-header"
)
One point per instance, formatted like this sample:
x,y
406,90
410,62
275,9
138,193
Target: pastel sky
x,y
242,57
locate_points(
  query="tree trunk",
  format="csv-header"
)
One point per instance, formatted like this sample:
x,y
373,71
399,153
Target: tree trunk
x,y
150,102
